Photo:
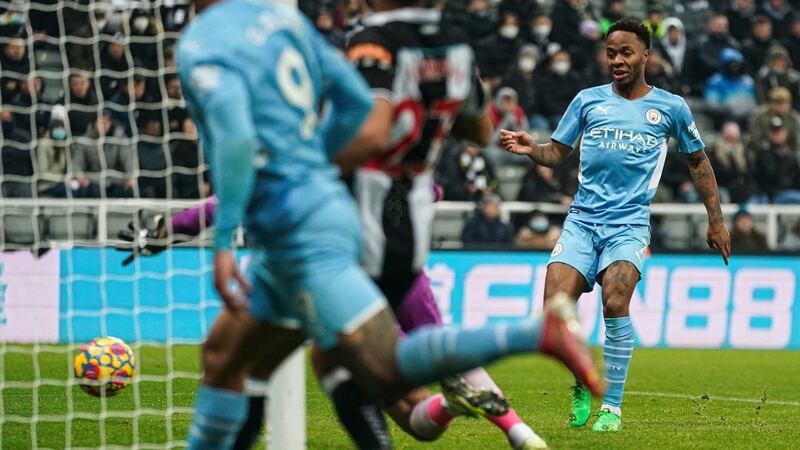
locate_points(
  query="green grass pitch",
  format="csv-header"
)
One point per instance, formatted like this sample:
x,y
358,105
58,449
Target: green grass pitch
x,y
676,399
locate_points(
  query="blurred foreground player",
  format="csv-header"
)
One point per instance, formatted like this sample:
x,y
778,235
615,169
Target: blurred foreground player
x,y
254,76
624,126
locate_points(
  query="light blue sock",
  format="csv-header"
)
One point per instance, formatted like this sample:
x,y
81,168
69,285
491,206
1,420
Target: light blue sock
x,y
432,353
218,416
617,352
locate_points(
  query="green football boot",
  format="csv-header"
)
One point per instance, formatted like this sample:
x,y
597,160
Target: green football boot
x,y
607,422
581,406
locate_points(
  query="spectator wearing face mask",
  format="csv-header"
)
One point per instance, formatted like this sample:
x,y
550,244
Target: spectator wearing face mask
x,y
500,49
520,78
780,105
465,174
777,71
52,156
539,30
730,94
486,226
673,43
731,167
144,51
755,48
538,233
702,59
557,87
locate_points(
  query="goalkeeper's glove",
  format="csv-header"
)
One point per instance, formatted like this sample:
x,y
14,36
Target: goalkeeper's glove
x,y
145,238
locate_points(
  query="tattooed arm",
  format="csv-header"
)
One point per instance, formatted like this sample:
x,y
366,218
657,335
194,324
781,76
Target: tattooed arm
x,y
702,174
550,154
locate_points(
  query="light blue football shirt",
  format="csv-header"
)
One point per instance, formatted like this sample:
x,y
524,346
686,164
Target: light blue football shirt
x,y
623,145
254,75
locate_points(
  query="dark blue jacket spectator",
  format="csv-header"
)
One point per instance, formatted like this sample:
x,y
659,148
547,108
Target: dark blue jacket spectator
x,y
486,226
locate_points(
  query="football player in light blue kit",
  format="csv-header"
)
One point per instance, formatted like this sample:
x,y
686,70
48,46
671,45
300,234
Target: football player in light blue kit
x,y
254,75
622,130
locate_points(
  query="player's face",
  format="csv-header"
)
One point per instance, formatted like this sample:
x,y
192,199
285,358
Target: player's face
x,y
626,56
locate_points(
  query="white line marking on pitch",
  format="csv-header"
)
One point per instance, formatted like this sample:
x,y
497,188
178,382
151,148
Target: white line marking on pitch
x,y
713,397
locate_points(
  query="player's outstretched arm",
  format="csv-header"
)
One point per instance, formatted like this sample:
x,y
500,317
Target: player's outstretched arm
x,y
550,154
704,180
153,236
191,221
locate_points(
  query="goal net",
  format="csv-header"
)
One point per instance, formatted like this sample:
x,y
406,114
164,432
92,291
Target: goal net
x,y
95,137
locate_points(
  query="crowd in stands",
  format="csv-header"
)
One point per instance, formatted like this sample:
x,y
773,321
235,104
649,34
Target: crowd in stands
x,y
91,106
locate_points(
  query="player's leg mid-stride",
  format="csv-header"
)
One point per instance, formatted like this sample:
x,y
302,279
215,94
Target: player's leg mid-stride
x,y
618,281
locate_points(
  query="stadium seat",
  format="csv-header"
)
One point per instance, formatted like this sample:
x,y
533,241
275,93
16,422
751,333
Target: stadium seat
x,y
21,228
678,230
447,228
48,60
72,225
509,181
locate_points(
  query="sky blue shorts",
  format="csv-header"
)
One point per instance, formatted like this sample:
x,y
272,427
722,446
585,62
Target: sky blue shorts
x,y
590,248
310,279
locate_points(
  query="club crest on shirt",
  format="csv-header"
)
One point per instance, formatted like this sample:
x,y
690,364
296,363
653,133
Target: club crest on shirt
x,y
653,116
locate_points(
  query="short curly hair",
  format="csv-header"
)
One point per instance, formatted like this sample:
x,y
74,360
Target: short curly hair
x,y
634,26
